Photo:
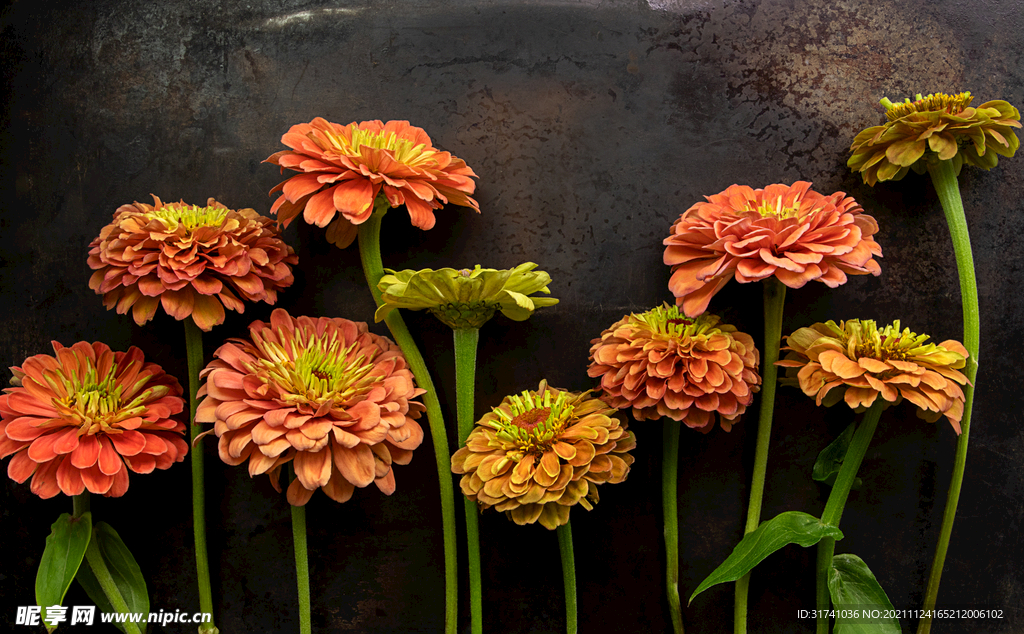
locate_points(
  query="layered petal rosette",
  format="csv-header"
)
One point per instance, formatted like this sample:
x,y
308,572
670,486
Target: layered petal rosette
x,y
345,168
194,261
937,127
83,418
466,298
539,453
787,231
325,393
662,363
856,362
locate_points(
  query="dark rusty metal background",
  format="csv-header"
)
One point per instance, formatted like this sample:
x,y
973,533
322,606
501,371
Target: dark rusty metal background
x,y
592,125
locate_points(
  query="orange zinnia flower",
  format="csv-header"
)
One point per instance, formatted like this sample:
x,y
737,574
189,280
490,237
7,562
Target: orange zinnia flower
x,y
81,419
345,168
191,260
537,455
788,231
856,362
325,393
664,364
937,127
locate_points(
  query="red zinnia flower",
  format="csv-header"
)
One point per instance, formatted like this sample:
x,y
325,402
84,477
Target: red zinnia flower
x,y
345,168
81,419
788,231
325,393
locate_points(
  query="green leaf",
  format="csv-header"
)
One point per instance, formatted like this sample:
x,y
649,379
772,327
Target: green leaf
x,y
791,527
855,591
65,548
830,460
118,564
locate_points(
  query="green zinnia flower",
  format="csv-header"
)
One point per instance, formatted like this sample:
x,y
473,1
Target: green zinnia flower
x,y
466,298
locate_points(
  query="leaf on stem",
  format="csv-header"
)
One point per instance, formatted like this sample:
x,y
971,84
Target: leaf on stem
x,y
65,549
830,460
791,527
121,566
854,590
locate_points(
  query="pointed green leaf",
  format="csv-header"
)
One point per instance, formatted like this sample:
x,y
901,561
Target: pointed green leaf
x,y
117,562
791,527
830,460
65,548
855,590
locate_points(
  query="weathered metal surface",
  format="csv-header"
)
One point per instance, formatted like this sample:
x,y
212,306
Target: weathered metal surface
x,y
592,125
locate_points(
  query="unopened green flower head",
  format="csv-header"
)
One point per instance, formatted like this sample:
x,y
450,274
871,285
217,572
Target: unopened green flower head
x,y
466,298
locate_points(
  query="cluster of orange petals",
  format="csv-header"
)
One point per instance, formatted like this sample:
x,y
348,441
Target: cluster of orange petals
x,y
192,261
662,364
856,362
345,168
789,231
322,393
82,418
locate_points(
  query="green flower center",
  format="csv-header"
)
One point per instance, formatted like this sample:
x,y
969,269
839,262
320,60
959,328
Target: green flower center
x,y
94,401
937,102
774,209
535,422
191,216
314,369
890,343
403,150
670,323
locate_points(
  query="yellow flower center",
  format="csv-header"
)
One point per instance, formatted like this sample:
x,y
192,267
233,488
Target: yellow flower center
x,y
670,323
190,216
890,343
937,102
94,402
535,422
774,209
314,369
403,150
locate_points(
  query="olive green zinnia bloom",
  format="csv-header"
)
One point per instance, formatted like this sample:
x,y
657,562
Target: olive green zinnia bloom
x,y
466,298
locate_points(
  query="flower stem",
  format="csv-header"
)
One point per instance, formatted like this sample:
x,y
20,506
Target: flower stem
x,y
837,501
669,482
774,299
99,569
373,268
80,503
301,560
568,576
466,340
944,180
194,353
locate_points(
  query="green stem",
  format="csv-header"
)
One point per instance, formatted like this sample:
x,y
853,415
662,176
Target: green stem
x,y
194,353
80,503
944,180
837,501
373,268
99,569
465,384
669,482
774,299
568,576
301,560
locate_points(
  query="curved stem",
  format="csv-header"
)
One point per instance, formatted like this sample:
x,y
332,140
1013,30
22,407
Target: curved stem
x,y
944,180
837,501
568,576
301,560
107,583
669,482
194,353
465,385
774,299
373,268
